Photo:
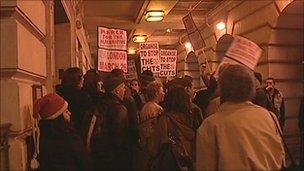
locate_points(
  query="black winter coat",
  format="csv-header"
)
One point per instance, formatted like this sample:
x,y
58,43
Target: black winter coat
x,y
110,144
79,103
61,150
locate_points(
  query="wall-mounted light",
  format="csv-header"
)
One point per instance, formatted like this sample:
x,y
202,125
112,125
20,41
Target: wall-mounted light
x,y
188,45
155,15
139,38
131,51
220,25
168,30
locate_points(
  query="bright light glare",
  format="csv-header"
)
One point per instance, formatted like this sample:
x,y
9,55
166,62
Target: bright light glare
x,y
155,15
220,25
139,38
131,51
188,45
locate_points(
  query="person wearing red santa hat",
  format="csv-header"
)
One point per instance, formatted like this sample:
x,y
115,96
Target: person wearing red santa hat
x,y
57,146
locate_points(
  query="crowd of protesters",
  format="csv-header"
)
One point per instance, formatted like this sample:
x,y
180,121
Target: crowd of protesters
x,y
146,125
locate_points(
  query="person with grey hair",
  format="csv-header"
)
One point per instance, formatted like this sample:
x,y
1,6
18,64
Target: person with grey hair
x,y
241,135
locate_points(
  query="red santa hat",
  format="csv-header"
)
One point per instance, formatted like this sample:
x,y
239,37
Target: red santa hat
x,y
48,107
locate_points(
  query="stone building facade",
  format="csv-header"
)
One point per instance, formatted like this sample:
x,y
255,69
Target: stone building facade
x,y
37,42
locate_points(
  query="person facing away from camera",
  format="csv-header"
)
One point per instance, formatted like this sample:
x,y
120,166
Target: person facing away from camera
x,y
195,112
57,146
148,119
110,144
70,90
241,135
92,86
177,126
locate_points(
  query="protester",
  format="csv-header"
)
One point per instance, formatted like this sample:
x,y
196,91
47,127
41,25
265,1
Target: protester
x,y
146,78
203,96
57,146
260,97
136,93
92,86
130,104
148,137
70,90
110,144
241,135
177,124
276,99
188,86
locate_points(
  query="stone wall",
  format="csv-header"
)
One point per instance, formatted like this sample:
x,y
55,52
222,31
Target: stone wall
x,y
279,35
28,60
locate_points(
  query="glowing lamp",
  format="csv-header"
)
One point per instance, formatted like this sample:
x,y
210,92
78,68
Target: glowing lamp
x,y
139,38
220,25
154,15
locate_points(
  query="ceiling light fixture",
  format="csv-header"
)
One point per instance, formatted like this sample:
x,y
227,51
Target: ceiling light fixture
x,y
154,15
220,25
139,38
131,51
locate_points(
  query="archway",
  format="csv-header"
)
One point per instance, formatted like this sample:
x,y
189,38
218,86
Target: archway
x,y
192,69
285,56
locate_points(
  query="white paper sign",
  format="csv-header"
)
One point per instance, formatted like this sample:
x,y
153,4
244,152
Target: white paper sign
x,y
112,38
132,73
168,60
149,56
111,59
194,34
244,51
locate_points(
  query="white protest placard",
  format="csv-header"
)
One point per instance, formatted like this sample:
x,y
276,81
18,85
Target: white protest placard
x,y
111,59
132,73
168,60
194,34
241,51
149,56
244,52
112,38
189,23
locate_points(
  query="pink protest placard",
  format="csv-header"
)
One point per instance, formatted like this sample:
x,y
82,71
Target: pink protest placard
x,y
111,59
